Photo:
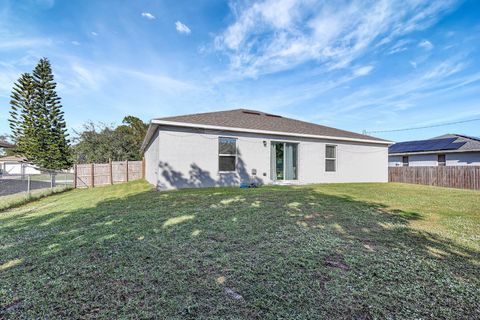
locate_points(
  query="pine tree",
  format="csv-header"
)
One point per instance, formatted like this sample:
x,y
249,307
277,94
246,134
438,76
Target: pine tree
x,y
36,120
22,115
55,150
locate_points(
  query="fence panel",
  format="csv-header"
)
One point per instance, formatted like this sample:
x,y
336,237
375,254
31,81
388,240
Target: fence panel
x,y
15,186
83,175
463,177
98,174
119,171
102,174
135,170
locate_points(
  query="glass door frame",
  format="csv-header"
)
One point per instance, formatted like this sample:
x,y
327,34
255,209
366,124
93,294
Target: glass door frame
x,y
273,171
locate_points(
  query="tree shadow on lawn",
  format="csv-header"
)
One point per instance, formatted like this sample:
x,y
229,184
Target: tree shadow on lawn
x,y
252,253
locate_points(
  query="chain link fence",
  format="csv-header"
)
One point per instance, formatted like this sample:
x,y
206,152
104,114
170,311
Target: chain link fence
x,y
27,181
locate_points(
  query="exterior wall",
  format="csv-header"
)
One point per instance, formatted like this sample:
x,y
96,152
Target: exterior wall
x,y
151,160
395,161
452,159
463,159
189,158
419,160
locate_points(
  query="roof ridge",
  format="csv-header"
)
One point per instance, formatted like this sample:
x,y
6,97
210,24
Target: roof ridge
x,y
204,113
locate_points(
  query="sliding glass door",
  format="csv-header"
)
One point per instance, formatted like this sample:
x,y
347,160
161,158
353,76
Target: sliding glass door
x,y
284,161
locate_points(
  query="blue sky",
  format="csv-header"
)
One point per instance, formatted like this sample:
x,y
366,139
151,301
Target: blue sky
x,y
355,65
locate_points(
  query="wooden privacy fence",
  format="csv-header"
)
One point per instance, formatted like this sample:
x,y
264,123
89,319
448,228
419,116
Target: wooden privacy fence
x,y
464,177
101,174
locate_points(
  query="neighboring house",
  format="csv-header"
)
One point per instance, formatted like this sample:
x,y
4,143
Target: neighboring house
x,y
5,145
445,150
17,166
241,146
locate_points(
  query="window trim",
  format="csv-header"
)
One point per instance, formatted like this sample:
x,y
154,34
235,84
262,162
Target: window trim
x,y
335,147
407,163
227,155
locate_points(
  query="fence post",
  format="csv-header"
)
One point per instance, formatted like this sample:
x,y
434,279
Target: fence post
x,y
92,175
143,168
28,186
110,170
75,176
126,170
52,181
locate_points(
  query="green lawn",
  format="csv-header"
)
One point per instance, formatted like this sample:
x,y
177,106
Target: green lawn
x,y
327,251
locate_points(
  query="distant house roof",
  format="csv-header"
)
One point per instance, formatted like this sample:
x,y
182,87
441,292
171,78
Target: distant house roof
x,y
5,145
257,121
443,143
12,159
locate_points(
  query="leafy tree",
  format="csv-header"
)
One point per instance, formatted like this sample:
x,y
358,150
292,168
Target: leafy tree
x,y
36,120
99,142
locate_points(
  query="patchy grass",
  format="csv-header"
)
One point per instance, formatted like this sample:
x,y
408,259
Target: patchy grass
x,y
327,251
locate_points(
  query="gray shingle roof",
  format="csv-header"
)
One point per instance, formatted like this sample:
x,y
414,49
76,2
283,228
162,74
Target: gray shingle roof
x,y
470,143
5,145
257,120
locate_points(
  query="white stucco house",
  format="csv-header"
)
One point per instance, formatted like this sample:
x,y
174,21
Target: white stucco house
x,y
240,146
445,150
14,165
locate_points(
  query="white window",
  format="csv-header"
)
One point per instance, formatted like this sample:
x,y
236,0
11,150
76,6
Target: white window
x,y
227,154
405,161
330,158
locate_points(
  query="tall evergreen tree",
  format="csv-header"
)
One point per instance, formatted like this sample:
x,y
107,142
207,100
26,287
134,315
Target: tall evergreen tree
x,y
22,116
55,151
37,122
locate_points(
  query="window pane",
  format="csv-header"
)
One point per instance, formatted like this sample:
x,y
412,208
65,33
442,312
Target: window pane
x,y
227,146
330,152
405,161
441,160
330,165
226,163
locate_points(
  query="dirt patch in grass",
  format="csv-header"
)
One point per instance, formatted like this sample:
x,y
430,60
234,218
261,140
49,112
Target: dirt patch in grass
x,y
335,262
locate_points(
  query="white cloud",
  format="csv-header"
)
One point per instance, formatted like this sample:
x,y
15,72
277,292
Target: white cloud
x,y
407,91
86,77
363,71
400,46
81,77
273,35
158,81
75,43
425,44
148,15
413,64
12,44
445,69
93,33
182,28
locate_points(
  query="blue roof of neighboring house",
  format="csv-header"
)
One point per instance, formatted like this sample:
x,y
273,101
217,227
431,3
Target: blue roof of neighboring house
x,y
448,142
